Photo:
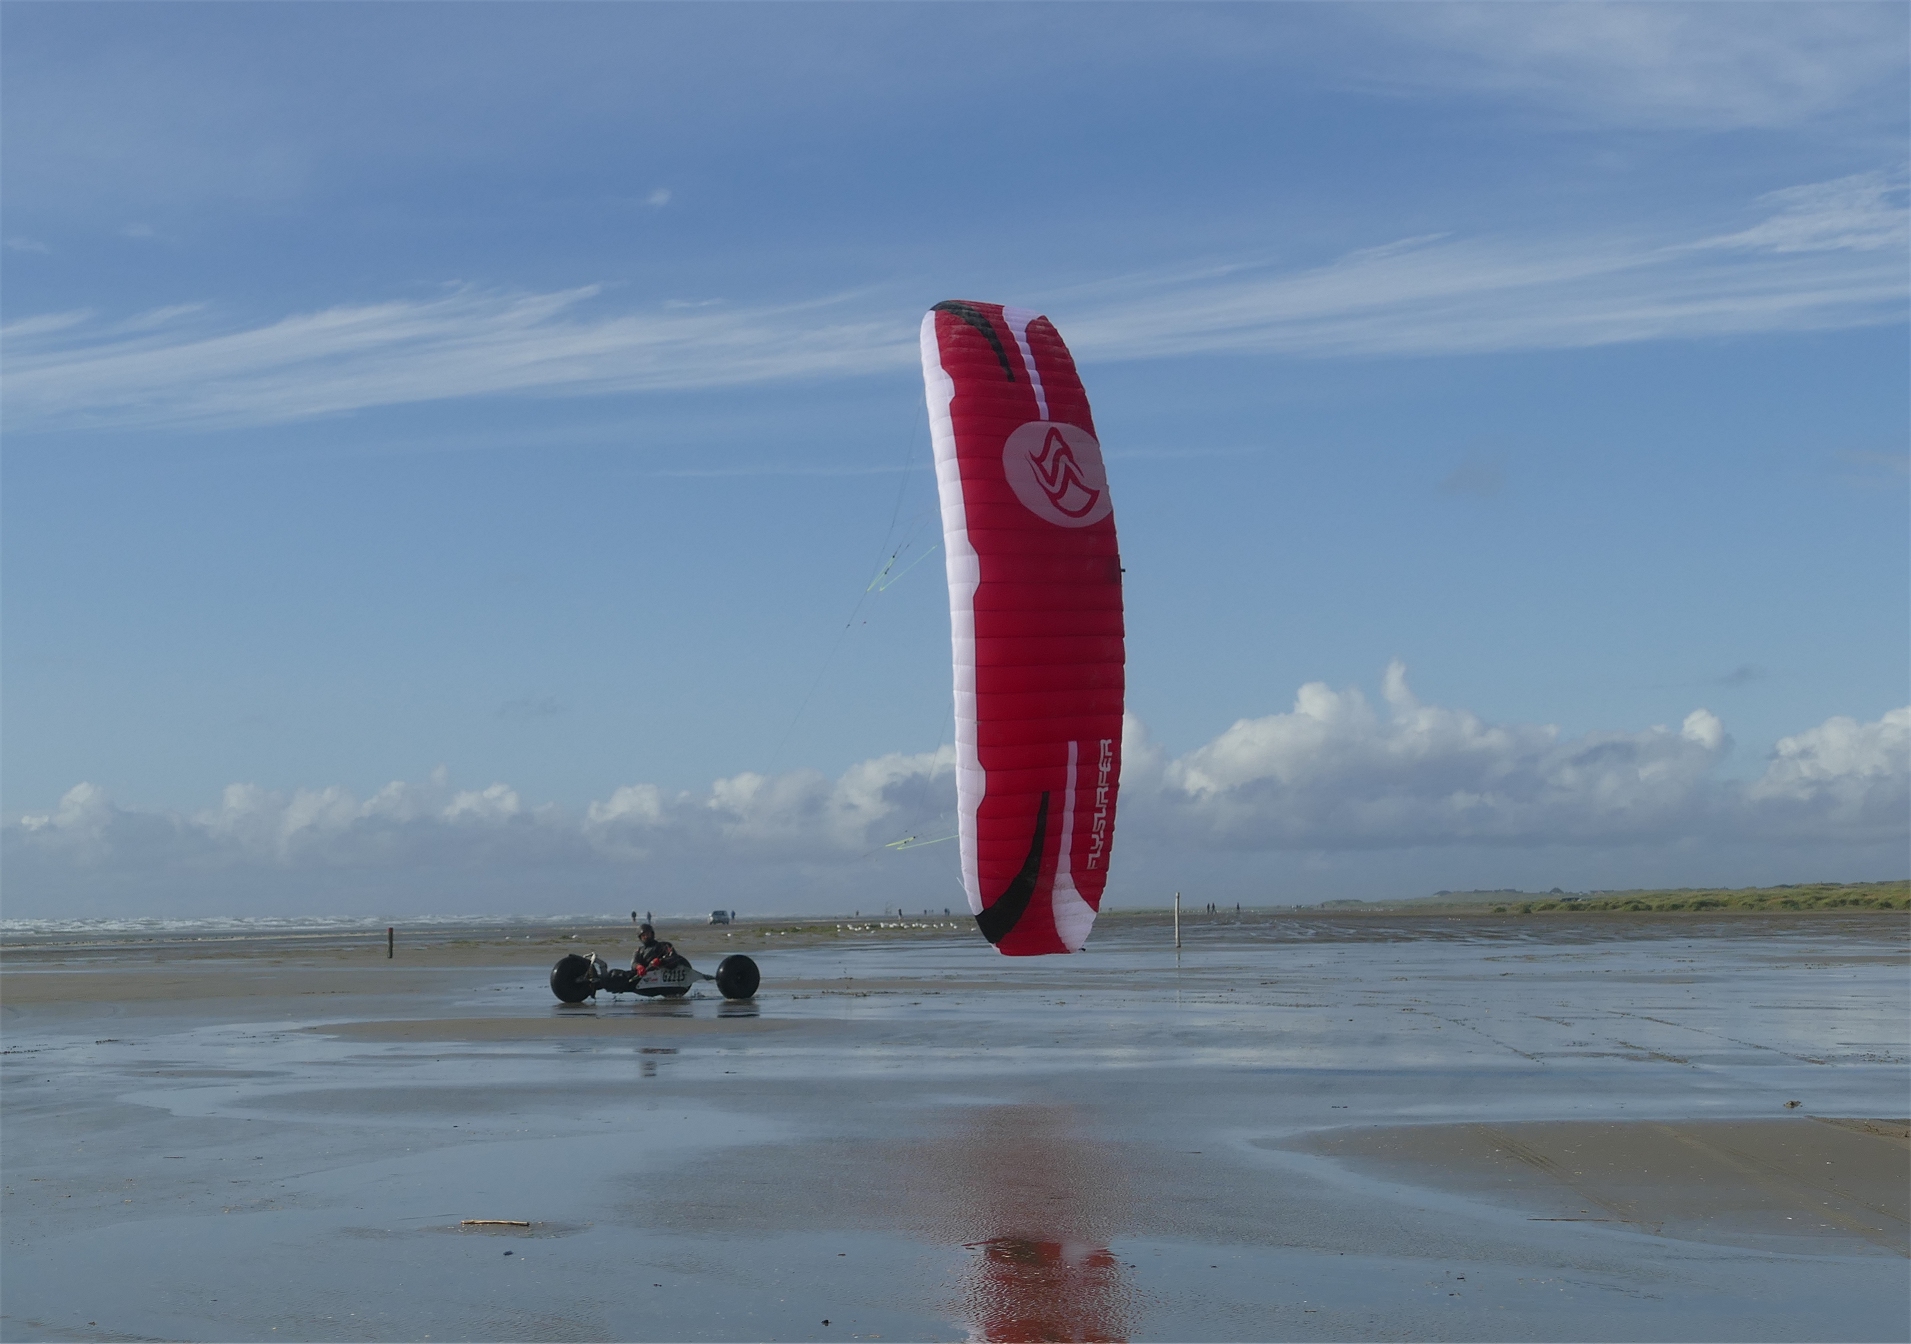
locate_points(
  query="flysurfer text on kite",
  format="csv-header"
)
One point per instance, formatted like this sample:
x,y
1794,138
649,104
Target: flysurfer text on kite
x,y
1098,836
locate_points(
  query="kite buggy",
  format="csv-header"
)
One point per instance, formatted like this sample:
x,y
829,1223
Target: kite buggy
x,y
575,978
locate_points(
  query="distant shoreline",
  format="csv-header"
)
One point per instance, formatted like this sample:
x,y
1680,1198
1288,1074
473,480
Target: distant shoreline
x,y
1840,897
1790,899
528,938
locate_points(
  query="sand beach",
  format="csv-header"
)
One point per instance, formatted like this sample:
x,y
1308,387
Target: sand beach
x,y
1299,1126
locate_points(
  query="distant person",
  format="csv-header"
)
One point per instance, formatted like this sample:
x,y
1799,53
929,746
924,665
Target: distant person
x,y
653,953
633,916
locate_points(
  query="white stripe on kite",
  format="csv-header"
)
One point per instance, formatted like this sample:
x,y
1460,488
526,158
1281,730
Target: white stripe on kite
x,y
1018,320
965,574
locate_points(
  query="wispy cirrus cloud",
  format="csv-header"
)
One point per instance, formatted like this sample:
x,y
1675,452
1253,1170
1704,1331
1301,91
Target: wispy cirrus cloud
x,y
1821,257
1861,213
1713,67
1873,471
466,342
526,708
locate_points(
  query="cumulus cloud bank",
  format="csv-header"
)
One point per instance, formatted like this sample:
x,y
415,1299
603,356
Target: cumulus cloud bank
x,y
1336,773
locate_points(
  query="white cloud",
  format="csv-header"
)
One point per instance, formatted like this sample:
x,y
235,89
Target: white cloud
x,y
1821,257
801,814
45,324
1337,774
1873,471
155,318
1844,775
658,199
83,813
1815,258
496,803
1861,213
463,343
633,804
1712,67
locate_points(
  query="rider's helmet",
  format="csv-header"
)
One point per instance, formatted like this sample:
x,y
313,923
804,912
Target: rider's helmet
x,y
645,932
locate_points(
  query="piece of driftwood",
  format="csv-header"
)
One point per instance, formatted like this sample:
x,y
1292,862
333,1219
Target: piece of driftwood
x,y
493,1222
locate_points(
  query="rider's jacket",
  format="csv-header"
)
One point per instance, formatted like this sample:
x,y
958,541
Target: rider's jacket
x,y
652,951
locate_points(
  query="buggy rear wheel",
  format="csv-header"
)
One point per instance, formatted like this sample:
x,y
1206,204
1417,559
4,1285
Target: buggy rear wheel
x,y
571,979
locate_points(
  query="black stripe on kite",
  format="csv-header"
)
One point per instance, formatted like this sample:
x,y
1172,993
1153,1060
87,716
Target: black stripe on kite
x,y
982,324
1006,913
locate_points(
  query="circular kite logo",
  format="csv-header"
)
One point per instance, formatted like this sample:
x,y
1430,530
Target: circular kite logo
x,y
1056,471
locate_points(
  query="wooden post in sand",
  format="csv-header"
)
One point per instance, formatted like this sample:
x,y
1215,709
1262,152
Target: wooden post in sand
x,y
1177,919
391,941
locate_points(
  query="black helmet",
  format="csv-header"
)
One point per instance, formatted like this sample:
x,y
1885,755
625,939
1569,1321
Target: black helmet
x,y
646,932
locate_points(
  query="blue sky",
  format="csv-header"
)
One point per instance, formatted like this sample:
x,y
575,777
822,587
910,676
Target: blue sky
x,y
509,406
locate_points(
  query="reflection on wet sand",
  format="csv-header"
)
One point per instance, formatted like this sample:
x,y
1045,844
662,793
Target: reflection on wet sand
x,y
649,1008
1021,1289
1469,1131
1038,1201
1026,1197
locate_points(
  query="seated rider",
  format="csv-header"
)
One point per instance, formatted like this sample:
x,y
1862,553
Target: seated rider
x,y
652,953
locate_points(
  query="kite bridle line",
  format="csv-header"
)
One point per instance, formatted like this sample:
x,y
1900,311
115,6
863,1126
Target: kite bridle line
x,y
886,576
911,451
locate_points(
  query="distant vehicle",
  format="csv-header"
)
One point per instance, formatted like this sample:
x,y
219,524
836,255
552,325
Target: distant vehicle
x,y
722,916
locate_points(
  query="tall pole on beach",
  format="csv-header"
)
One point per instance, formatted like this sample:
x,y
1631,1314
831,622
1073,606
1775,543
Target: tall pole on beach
x,y
1177,919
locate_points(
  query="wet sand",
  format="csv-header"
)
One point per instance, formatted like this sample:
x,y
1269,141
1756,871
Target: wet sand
x,y
1736,1182
1302,1127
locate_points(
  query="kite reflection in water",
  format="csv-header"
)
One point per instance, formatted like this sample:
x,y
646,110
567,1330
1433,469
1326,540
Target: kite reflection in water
x,y
1039,1290
1035,1203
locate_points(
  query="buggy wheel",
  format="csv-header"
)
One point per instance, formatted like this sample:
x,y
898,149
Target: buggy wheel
x,y
737,977
571,979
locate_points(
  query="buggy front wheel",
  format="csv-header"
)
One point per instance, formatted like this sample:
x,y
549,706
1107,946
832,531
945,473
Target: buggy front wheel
x,y
737,977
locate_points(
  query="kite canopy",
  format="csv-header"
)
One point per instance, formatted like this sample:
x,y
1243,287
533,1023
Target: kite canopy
x,y
1035,604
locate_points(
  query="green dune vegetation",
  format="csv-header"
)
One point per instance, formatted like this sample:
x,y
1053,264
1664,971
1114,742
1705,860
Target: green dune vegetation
x,y
1805,896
